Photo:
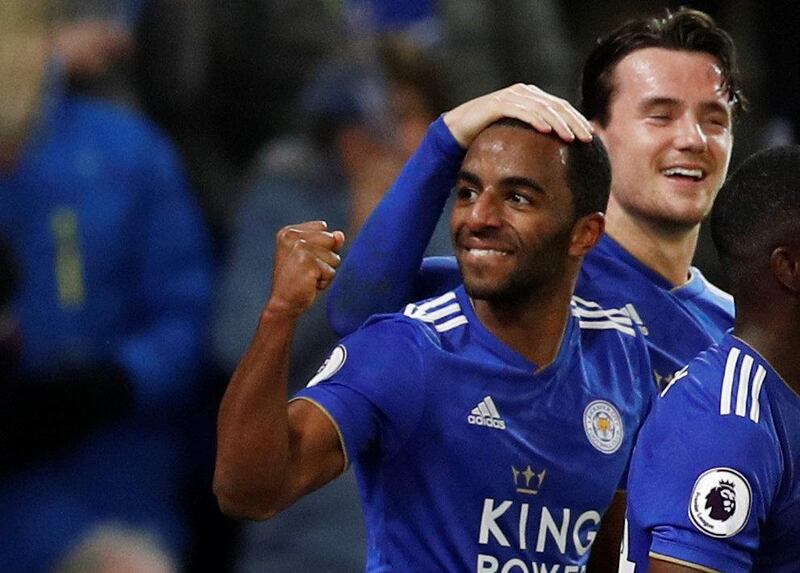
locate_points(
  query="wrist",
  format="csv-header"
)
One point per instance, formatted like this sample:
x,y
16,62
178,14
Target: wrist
x,y
451,121
280,310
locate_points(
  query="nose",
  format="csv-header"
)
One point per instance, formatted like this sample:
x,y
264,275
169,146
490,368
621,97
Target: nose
x,y
485,211
690,135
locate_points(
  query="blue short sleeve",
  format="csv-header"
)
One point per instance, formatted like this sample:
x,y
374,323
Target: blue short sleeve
x,y
700,482
373,386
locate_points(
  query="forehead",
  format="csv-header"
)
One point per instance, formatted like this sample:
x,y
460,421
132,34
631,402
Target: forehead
x,y
502,151
690,77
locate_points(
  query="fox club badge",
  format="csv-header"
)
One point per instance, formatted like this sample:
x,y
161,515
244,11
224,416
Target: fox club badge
x,y
603,426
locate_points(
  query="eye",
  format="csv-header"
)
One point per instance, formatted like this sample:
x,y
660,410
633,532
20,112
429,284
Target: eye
x,y
518,199
465,193
718,121
659,118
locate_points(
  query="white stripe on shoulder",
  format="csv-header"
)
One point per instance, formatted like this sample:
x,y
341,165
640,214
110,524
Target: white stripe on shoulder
x,y
425,310
443,312
587,303
755,408
606,325
618,314
748,386
727,382
594,317
744,385
451,324
438,301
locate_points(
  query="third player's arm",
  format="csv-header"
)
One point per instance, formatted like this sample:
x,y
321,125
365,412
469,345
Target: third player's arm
x,y
605,549
660,566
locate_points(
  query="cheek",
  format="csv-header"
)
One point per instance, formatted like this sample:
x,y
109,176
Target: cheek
x,y
722,147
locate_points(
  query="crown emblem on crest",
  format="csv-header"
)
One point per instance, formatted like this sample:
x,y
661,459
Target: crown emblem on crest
x,y
527,480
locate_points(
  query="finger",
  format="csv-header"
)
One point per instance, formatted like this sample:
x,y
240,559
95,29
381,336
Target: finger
x,y
318,225
577,123
558,113
313,261
329,257
557,123
311,231
326,272
340,239
535,107
322,239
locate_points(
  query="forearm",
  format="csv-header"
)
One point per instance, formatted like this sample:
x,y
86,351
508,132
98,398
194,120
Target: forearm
x,y
606,546
379,271
252,428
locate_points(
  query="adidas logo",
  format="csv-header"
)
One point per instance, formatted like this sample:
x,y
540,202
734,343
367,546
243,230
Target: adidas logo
x,y
486,414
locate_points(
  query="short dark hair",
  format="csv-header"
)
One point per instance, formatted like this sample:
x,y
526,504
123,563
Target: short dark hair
x,y
588,170
757,208
683,30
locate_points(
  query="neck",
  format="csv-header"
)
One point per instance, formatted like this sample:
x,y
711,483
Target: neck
x,y
667,250
534,327
774,334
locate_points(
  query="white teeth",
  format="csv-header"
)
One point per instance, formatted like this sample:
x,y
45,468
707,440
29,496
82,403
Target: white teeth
x,y
693,173
486,253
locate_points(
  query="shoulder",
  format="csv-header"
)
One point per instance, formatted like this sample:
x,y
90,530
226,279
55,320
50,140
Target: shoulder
x,y
612,344
711,294
394,335
437,315
609,330
111,114
722,381
119,129
599,316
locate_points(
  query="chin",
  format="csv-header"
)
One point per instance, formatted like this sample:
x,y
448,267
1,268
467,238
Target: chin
x,y
485,290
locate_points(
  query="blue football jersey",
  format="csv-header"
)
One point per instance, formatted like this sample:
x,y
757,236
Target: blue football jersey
x,y
715,476
471,458
678,322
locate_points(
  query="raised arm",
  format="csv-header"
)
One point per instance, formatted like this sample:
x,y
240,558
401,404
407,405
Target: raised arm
x,y
270,453
381,271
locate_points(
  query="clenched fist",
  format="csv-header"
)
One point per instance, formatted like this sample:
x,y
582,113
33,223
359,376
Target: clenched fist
x,y
306,258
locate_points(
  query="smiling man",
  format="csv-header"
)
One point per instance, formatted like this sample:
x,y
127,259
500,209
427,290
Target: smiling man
x,y
472,419
725,476
662,93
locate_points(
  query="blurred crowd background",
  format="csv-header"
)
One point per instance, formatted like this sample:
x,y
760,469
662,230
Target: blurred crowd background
x,y
149,152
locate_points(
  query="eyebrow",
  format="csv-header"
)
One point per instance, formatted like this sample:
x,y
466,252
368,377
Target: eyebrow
x,y
706,106
659,101
511,181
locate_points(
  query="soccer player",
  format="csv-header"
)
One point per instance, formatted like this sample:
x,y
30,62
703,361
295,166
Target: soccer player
x,y
714,482
489,427
662,93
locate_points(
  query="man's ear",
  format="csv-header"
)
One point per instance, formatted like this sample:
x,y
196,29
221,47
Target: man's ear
x,y
785,265
586,233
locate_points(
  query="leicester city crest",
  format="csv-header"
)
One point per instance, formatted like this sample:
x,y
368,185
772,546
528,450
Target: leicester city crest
x,y
603,426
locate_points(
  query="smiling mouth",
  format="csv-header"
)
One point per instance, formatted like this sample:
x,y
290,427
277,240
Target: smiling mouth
x,y
695,174
486,253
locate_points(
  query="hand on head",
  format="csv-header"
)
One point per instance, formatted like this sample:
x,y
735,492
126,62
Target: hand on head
x,y
545,112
